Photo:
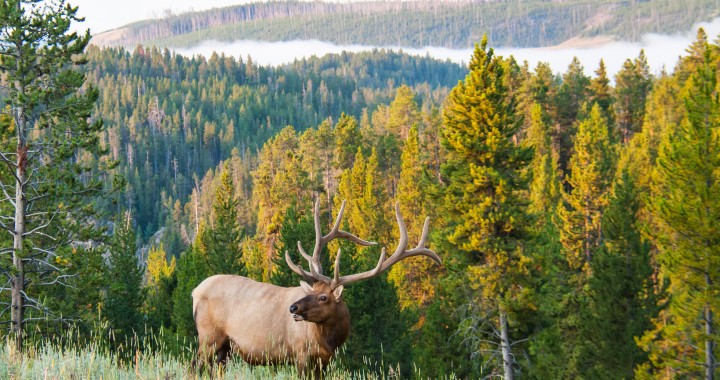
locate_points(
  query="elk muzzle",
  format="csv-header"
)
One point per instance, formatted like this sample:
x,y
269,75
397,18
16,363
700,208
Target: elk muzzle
x,y
297,316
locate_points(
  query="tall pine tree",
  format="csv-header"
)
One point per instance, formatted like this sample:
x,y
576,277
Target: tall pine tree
x,y
685,225
484,175
125,295
45,209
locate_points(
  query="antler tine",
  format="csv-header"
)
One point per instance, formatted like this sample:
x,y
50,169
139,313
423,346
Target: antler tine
x,y
337,233
315,269
337,281
305,275
401,252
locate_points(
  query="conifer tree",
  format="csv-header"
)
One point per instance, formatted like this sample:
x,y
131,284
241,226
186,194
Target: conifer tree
x,y
191,270
376,299
632,86
581,235
600,92
589,179
685,225
45,208
224,243
296,227
403,113
412,277
572,94
484,183
623,296
125,295
160,279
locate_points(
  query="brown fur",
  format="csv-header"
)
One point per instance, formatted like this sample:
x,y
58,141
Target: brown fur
x,y
234,314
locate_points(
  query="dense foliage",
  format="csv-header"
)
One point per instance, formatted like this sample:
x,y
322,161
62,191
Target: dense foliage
x,y
577,217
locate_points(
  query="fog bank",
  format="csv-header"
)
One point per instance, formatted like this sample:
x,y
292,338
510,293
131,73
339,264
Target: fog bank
x,y
662,51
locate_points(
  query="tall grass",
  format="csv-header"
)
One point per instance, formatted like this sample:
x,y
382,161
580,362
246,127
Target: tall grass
x,y
71,357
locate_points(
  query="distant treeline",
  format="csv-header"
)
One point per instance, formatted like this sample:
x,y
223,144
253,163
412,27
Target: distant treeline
x,y
457,24
170,118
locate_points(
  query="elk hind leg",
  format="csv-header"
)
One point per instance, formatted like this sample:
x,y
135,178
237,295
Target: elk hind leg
x,y
217,345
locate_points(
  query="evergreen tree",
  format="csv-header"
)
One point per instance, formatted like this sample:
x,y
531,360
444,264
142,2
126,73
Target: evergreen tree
x,y
685,225
412,277
125,295
160,283
572,94
623,297
632,86
601,92
485,181
379,327
403,113
224,240
46,133
296,227
581,235
191,271
590,177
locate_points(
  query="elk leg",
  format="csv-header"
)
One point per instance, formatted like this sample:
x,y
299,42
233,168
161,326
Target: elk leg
x,y
210,345
223,353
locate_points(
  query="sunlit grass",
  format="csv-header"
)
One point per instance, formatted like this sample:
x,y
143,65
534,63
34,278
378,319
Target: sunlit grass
x,y
96,360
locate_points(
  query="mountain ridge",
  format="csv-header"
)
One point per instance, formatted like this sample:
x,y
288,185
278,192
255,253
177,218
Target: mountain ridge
x,y
416,24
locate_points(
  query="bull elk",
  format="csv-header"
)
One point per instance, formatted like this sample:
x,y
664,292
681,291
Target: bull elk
x,y
268,324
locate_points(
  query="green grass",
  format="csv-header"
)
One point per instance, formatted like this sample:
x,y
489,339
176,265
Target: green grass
x,y
95,360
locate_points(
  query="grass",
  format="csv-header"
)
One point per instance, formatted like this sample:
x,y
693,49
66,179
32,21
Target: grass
x,y
96,360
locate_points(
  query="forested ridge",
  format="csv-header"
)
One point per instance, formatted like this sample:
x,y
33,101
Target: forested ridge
x,y
451,24
578,218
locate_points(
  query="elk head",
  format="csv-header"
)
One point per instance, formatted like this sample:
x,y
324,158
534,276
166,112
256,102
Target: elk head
x,y
324,294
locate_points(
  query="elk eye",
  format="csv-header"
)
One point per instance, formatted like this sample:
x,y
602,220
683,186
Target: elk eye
x,y
323,298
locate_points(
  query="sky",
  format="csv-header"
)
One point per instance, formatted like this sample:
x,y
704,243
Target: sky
x,y
662,51
103,15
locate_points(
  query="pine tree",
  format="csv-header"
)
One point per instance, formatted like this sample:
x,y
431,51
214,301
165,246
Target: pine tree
x,y
125,295
581,235
224,242
685,225
160,283
484,176
601,92
403,113
572,94
191,270
376,299
48,117
413,278
589,179
296,227
632,86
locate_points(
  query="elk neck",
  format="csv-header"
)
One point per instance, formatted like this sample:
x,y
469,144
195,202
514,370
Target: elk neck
x,y
334,331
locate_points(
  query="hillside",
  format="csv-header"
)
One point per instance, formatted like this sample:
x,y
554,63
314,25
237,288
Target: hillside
x,y
417,24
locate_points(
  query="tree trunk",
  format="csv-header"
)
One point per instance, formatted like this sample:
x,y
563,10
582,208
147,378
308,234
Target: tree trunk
x,y
709,344
18,283
505,344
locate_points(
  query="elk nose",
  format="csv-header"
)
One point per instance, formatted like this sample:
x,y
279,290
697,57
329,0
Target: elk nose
x,y
293,309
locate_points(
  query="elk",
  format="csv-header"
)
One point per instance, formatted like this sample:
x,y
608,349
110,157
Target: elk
x,y
267,324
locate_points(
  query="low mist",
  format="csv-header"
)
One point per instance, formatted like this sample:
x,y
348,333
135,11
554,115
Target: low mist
x,y
662,51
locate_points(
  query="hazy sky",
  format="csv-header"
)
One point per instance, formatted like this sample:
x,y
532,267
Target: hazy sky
x,y
102,15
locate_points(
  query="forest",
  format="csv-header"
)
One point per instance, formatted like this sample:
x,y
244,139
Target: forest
x,y
417,24
577,216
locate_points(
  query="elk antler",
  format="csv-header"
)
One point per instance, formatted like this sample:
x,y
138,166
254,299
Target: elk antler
x,y
315,273
400,253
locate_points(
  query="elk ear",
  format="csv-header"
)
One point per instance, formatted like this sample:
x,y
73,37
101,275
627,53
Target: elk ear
x,y
338,292
306,287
